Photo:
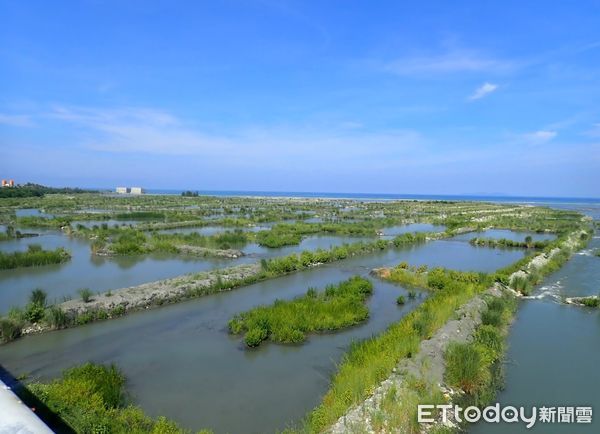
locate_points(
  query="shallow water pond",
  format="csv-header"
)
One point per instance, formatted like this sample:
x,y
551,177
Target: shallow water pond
x,y
181,362
32,212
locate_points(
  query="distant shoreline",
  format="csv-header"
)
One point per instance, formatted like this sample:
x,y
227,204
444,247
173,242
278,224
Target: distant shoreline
x,y
377,196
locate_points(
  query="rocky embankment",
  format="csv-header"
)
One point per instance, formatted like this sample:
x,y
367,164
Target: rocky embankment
x,y
590,301
184,249
162,291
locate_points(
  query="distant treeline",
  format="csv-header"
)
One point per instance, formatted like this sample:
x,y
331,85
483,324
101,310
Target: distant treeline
x,y
189,193
37,190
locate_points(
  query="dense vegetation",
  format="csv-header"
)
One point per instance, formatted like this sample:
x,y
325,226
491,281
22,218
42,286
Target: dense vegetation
x,y
36,190
278,238
130,241
338,306
475,368
91,399
34,256
528,243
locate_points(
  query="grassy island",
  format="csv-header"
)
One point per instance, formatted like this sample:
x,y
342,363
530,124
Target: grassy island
x,y
33,257
338,306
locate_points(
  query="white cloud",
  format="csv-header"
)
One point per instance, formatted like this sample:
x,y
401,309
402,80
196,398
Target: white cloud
x,y
483,90
15,120
450,62
149,131
539,137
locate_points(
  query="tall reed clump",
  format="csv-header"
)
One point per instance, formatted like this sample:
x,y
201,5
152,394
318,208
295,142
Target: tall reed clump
x,y
338,306
10,329
34,256
91,399
475,367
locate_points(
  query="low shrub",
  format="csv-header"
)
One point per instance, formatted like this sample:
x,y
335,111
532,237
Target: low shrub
x,y
465,367
10,329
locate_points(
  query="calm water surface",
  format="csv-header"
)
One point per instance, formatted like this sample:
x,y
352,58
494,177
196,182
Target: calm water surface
x,y
181,362
85,270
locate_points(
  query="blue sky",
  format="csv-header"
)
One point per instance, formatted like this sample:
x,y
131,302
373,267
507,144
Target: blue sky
x,y
340,96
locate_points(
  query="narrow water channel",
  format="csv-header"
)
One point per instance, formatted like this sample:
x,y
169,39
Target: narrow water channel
x,y
554,349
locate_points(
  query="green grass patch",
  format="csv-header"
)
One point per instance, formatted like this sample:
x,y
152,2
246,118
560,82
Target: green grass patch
x,y
528,243
338,306
33,257
590,301
91,399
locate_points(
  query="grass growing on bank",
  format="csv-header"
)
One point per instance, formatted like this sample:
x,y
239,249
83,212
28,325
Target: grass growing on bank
x,y
558,251
528,243
475,368
33,257
91,399
338,306
371,361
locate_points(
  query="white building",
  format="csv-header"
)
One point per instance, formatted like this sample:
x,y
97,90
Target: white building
x,y
136,190
122,190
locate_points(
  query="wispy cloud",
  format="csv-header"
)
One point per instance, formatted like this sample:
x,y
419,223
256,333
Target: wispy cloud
x,y
539,137
454,61
149,131
16,120
483,90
